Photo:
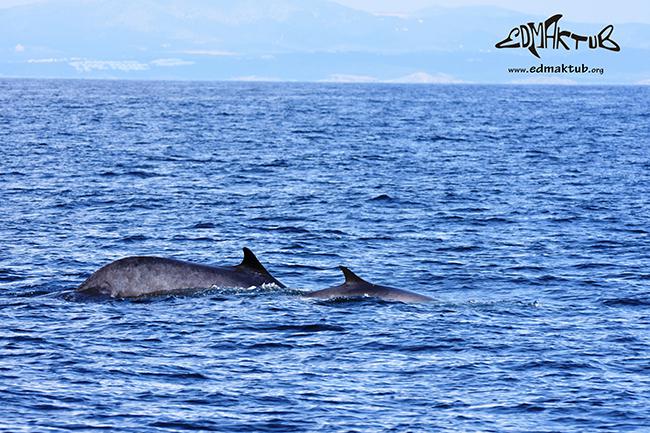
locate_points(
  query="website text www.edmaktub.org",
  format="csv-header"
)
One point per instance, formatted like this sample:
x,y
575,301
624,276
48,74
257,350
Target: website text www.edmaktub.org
x,y
558,69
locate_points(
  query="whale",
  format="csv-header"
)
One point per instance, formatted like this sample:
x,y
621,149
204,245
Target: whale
x,y
137,276
356,287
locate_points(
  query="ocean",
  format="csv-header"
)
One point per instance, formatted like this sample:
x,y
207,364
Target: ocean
x,y
522,210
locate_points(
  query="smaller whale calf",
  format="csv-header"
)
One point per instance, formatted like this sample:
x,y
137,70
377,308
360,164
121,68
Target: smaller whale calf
x,y
138,276
356,287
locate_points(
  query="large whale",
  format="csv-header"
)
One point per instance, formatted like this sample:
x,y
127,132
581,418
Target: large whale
x,y
143,276
355,287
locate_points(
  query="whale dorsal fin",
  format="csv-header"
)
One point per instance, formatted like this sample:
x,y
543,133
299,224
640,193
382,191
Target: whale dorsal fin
x,y
351,277
251,262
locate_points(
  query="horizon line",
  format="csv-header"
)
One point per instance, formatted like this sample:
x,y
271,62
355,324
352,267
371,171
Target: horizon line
x,y
289,81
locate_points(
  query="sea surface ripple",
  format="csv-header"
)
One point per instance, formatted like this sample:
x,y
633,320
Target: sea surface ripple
x,y
523,210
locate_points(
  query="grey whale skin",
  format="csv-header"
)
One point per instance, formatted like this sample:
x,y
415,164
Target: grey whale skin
x,y
355,287
132,277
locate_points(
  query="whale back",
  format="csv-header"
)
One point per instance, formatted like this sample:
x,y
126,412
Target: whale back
x,y
141,275
355,287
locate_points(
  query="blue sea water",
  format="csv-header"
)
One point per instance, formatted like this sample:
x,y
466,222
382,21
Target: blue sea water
x,y
523,210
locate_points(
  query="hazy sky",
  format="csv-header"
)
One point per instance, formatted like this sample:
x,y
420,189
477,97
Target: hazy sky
x,y
616,12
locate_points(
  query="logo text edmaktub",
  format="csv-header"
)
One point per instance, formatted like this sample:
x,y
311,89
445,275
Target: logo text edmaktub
x,y
548,34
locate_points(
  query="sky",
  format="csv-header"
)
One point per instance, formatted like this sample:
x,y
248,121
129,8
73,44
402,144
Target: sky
x,y
620,11
616,12
424,41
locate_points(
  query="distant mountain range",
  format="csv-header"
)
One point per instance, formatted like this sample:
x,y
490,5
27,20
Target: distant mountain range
x,y
307,40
